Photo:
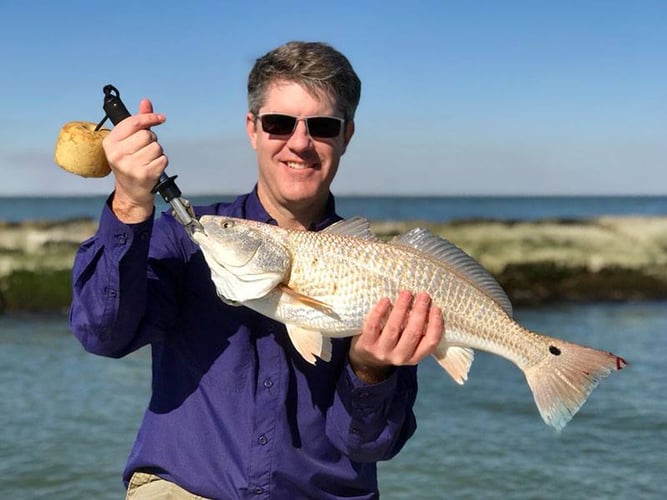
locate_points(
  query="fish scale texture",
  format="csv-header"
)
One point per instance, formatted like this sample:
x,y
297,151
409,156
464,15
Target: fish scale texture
x,y
353,276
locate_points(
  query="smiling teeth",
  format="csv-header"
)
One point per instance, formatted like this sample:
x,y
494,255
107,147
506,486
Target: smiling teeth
x,y
297,166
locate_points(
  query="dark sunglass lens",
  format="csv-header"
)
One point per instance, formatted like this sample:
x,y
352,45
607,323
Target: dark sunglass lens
x,y
323,126
278,124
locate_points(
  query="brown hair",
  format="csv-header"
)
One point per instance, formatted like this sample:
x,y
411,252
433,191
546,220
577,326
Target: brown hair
x,y
316,66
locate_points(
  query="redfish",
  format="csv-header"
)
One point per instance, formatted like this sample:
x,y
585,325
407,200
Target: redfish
x,y
323,284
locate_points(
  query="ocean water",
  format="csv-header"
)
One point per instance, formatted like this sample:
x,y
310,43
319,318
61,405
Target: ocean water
x,y
68,418
486,440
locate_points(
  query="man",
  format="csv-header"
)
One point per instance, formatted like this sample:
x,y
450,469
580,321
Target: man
x,y
235,412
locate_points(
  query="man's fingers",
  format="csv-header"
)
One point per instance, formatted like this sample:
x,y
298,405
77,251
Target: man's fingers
x,y
375,321
432,336
400,335
145,106
415,327
143,143
139,140
138,122
396,321
143,120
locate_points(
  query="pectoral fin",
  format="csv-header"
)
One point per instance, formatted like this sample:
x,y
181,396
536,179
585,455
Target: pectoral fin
x,y
308,301
310,343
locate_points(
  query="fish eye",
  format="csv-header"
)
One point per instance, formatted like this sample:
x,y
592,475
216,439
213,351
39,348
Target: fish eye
x,y
227,224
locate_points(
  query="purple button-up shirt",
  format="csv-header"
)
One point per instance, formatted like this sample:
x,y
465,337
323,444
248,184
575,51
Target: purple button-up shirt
x,y
235,412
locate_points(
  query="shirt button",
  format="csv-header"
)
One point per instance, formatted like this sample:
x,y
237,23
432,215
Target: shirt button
x,y
259,490
262,440
363,395
268,383
122,239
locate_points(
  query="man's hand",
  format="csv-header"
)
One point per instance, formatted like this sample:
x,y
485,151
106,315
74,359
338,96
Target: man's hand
x,y
137,160
395,336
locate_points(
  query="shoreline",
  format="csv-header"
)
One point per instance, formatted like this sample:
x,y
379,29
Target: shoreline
x,y
619,258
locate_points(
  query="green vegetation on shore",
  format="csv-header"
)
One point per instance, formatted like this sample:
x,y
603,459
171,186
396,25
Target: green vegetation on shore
x,y
608,258
35,263
36,291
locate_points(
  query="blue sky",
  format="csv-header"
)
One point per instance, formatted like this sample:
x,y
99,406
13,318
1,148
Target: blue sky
x,y
458,98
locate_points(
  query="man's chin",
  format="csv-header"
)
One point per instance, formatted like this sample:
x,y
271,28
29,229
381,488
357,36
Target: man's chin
x,y
306,194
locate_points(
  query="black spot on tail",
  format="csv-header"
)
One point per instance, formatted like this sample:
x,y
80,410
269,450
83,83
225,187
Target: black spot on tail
x,y
554,350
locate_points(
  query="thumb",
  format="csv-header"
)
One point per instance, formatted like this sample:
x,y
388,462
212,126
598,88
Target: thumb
x,y
145,106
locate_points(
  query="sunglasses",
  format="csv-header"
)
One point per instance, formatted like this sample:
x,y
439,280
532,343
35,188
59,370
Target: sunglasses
x,y
323,127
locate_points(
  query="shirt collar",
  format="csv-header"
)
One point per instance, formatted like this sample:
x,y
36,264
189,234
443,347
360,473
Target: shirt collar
x,y
255,210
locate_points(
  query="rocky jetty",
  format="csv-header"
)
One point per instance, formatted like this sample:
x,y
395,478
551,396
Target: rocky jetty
x,y
606,258
36,261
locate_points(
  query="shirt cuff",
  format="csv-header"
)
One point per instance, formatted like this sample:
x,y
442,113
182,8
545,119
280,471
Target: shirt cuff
x,y
119,236
363,397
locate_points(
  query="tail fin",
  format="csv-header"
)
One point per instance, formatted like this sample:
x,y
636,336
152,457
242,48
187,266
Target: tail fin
x,y
564,379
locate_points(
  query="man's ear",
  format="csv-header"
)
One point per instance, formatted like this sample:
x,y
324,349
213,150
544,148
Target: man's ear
x,y
251,129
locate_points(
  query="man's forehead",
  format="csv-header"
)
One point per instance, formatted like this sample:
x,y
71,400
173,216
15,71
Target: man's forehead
x,y
288,93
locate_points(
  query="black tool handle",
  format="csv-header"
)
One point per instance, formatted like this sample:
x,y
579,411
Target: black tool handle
x,y
113,106
117,112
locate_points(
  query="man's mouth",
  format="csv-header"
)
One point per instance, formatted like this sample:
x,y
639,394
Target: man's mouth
x,y
297,165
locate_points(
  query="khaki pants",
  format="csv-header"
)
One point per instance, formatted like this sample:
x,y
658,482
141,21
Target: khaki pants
x,y
145,486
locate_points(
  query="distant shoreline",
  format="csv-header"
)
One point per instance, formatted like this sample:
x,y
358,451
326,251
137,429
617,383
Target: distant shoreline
x,y
540,261
435,208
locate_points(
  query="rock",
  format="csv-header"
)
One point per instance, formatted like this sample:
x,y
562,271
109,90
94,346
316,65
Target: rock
x,y
608,258
35,263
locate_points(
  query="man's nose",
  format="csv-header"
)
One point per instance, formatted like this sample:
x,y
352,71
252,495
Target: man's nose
x,y
300,139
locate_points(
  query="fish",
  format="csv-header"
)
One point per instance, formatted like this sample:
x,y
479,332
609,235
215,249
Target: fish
x,y
322,285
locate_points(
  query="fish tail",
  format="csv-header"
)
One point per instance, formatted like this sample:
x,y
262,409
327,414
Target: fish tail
x,y
564,378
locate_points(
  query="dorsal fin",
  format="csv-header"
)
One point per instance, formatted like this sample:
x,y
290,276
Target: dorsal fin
x,y
357,226
435,246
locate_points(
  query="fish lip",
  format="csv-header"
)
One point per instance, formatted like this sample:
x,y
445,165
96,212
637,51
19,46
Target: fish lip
x,y
195,227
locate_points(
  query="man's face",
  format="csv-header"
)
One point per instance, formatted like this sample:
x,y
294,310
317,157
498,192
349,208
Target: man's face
x,y
296,169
